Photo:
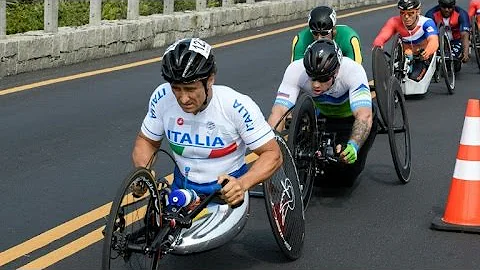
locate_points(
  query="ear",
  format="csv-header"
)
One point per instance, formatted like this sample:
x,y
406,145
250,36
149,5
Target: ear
x,y
210,81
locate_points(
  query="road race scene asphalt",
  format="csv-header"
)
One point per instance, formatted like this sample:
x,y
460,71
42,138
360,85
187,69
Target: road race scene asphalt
x,y
66,148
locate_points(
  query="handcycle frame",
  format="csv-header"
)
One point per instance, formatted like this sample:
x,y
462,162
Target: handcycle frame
x,y
161,231
442,64
312,147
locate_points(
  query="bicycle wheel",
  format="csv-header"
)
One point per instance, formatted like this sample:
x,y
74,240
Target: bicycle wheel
x,y
302,143
283,202
132,225
399,131
380,78
475,40
397,58
446,59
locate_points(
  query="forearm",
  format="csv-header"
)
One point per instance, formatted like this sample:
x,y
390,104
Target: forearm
x,y
361,129
276,114
387,31
432,46
143,151
261,169
465,41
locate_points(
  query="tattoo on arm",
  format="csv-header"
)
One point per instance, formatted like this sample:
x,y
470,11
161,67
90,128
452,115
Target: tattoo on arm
x,y
360,131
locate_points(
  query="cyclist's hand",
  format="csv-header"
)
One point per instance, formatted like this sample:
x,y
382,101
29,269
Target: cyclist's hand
x,y
466,56
424,54
233,192
349,153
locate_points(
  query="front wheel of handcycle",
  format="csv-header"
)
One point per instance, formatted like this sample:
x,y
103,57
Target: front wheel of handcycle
x,y
397,58
399,131
475,40
132,224
446,59
302,141
284,205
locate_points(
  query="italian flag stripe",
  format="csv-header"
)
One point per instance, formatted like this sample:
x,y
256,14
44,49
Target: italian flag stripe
x,y
177,149
223,152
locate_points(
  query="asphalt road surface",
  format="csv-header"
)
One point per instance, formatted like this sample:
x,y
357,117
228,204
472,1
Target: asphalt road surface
x,y
66,148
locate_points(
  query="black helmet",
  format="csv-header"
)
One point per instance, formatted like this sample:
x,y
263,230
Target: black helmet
x,y
188,60
322,58
448,3
322,18
408,4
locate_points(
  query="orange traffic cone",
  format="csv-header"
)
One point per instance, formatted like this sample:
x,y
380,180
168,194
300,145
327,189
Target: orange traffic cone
x,y
462,212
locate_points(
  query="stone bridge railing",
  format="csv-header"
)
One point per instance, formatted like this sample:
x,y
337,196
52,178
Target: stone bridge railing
x,y
57,46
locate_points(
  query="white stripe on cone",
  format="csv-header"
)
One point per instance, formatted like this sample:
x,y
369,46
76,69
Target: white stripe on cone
x,y
471,131
467,170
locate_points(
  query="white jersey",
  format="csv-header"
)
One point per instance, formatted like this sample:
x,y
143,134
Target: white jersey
x,y
212,142
349,92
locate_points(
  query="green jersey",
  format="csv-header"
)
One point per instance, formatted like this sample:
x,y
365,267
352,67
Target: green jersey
x,y
346,38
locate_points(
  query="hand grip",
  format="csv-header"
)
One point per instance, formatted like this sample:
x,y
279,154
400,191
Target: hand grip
x,y
224,183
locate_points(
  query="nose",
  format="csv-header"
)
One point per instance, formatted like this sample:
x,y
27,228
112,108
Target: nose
x,y
316,84
183,97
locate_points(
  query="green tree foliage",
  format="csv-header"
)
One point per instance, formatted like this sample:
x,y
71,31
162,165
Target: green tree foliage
x,y
27,15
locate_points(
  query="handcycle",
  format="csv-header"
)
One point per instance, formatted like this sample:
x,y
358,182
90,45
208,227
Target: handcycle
x,y
475,39
312,146
441,65
140,231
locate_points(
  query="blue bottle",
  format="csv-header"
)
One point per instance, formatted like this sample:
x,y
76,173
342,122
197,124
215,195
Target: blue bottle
x,y
182,197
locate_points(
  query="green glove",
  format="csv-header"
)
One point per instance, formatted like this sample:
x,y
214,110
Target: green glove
x,y
350,152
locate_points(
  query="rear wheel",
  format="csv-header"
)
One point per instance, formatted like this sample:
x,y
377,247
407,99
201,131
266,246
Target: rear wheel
x,y
476,40
397,59
302,133
283,201
446,59
380,77
132,225
399,131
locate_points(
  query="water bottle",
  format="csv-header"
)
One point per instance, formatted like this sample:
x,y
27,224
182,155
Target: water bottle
x,y
409,62
182,197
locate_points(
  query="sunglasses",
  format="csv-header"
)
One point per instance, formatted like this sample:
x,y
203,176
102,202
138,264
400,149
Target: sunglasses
x,y
322,79
321,32
447,6
410,13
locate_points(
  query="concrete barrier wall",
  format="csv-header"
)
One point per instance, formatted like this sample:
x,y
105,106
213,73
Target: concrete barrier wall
x,y
38,50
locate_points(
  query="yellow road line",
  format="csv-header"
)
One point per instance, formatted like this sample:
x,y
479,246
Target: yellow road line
x,y
79,244
65,251
66,228
157,59
51,235
76,76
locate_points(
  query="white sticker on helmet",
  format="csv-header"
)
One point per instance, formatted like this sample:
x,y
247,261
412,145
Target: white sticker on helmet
x,y
172,47
200,46
333,16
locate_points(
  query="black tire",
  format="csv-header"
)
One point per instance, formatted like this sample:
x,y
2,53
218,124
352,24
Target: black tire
x,y
475,40
399,131
380,71
128,224
284,205
397,58
302,142
446,59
